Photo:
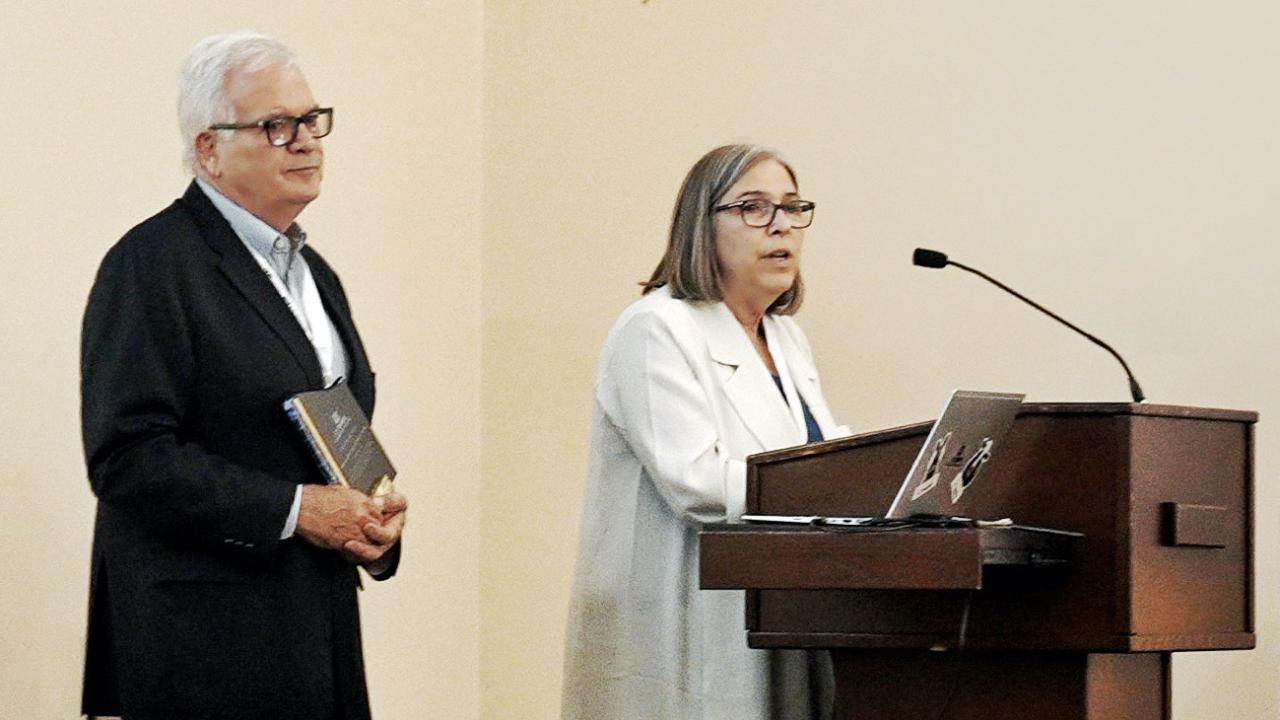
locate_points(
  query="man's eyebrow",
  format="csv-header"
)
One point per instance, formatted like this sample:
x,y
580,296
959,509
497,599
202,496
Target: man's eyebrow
x,y
278,112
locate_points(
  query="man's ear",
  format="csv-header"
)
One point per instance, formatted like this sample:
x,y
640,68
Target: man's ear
x,y
206,154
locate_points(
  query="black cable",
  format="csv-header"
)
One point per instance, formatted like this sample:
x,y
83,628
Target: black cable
x,y
913,522
958,674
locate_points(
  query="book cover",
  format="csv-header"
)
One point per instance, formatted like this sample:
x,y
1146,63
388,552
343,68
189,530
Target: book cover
x,y
344,445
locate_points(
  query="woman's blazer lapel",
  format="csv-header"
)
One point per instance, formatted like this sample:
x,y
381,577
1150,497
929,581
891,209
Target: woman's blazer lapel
x,y
800,368
745,380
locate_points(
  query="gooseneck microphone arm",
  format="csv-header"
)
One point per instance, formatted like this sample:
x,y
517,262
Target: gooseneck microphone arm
x,y
935,259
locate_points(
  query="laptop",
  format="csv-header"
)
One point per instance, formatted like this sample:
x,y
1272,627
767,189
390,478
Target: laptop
x,y
963,440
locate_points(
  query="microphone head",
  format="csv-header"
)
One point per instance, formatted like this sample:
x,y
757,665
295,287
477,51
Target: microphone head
x,y
929,258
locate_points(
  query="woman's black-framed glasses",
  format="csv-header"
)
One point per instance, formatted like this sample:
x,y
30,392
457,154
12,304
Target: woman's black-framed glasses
x,y
760,213
282,130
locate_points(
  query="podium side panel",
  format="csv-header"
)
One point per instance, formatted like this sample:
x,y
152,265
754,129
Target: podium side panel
x,y
1204,466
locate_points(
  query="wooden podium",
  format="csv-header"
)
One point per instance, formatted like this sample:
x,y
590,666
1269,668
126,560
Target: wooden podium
x,y
965,623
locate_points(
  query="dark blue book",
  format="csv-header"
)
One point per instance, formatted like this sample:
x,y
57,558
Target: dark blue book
x,y
339,434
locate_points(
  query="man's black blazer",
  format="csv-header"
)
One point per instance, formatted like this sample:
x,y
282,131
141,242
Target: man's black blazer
x,y
197,609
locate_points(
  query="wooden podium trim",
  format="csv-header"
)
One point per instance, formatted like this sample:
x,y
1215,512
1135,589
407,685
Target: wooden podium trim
x,y
770,640
778,557
1187,525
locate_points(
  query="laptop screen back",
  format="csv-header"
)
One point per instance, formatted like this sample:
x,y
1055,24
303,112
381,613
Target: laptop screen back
x,y
963,439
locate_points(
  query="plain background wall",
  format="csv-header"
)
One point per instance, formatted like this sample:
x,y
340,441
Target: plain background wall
x,y
500,177
89,147
1117,161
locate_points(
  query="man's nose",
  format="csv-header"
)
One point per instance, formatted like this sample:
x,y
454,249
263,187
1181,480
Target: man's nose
x,y
304,141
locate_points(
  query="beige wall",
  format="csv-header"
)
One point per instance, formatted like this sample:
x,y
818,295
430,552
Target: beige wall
x,y
1116,160
500,177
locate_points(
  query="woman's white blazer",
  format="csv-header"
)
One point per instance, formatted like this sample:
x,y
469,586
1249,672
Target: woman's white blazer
x,y
681,399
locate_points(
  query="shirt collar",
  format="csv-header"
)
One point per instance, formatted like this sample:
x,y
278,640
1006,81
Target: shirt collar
x,y
252,231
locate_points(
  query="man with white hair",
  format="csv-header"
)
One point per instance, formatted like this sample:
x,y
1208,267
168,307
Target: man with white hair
x,y
223,582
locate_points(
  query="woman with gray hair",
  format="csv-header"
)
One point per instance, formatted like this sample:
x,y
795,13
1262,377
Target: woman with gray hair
x,y
705,369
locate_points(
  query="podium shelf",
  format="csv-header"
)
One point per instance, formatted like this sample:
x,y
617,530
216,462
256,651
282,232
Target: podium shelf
x,y
742,556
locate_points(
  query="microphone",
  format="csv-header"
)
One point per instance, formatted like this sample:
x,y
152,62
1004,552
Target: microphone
x,y
934,259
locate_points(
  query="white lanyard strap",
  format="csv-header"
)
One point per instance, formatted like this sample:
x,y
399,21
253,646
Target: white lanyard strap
x,y
319,333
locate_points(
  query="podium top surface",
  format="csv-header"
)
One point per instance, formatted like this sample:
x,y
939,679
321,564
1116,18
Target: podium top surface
x,y
1061,409
1147,409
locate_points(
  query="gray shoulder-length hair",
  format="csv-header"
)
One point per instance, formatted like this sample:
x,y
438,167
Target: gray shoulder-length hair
x,y
690,266
202,83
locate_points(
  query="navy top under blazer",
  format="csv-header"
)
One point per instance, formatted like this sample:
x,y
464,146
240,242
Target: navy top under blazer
x,y
810,425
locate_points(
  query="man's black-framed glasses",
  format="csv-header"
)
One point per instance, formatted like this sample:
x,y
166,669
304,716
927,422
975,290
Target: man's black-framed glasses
x,y
760,213
283,130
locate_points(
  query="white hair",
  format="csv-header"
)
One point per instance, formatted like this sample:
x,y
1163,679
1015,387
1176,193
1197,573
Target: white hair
x,y
202,84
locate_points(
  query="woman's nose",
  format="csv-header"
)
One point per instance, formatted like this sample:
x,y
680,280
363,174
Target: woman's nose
x,y
780,223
